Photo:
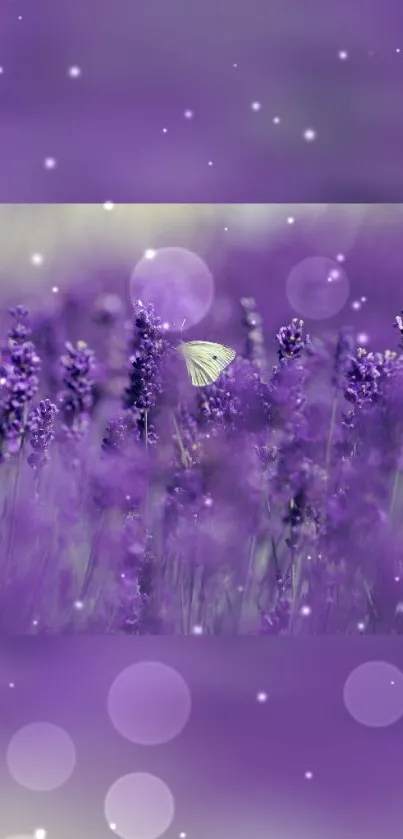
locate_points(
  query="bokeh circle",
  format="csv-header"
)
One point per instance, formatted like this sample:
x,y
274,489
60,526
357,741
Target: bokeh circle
x,y
177,282
373,694
139,806
41,756
317,288
149,703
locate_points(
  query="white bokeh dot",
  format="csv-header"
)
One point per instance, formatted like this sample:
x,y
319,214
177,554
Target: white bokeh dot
x,y
41,756
140,806
373,694
149,703
309,135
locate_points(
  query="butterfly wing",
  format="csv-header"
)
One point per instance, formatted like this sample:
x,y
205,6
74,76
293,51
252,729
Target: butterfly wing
x,y
205,361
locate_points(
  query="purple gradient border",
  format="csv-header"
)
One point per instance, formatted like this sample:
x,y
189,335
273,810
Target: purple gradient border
x,y
239,765
144,64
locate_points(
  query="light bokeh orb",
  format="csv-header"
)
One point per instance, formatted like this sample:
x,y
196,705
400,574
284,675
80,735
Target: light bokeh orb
x,y
41,756
177,282
373,694
317,288
139,806
149,703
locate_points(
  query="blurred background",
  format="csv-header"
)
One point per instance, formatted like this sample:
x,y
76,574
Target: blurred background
x,y
331,264
203,101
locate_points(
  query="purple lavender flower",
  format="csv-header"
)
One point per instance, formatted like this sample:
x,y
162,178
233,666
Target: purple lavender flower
x,y
291,340
238,400
77,398
345,349
366,374
19,368
115,435
148,347
255,348
41,427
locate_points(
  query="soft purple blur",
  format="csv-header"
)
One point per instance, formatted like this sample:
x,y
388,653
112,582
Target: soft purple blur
x,y
143,65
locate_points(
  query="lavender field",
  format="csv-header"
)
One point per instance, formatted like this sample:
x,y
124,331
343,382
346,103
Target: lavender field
x,y
266,503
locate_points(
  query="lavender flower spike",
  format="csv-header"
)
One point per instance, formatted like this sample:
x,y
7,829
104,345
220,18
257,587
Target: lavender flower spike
x,y
291,340
76,400
40,425
147,349
19,368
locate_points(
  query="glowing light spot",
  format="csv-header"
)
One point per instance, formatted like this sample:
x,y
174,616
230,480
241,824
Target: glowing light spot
x,y
177,282
368,696
108,205
306,610
262,696
139,804
309,291
74,72
256,106
37,259
309,135
308,775
41,756
188,114
197,630
55,289
149,703
290,220
343,55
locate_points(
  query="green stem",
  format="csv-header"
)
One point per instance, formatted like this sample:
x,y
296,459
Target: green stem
x,y
93,560
331,432
178,437
10,542
395,489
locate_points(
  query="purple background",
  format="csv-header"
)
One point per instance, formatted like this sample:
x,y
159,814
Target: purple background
x,y
237,769
250,250
144,64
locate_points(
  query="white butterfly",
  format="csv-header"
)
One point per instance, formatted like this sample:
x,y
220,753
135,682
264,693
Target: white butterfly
x,y
205,361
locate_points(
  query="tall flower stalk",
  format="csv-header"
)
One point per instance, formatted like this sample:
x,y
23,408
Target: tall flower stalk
x,y
20,366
